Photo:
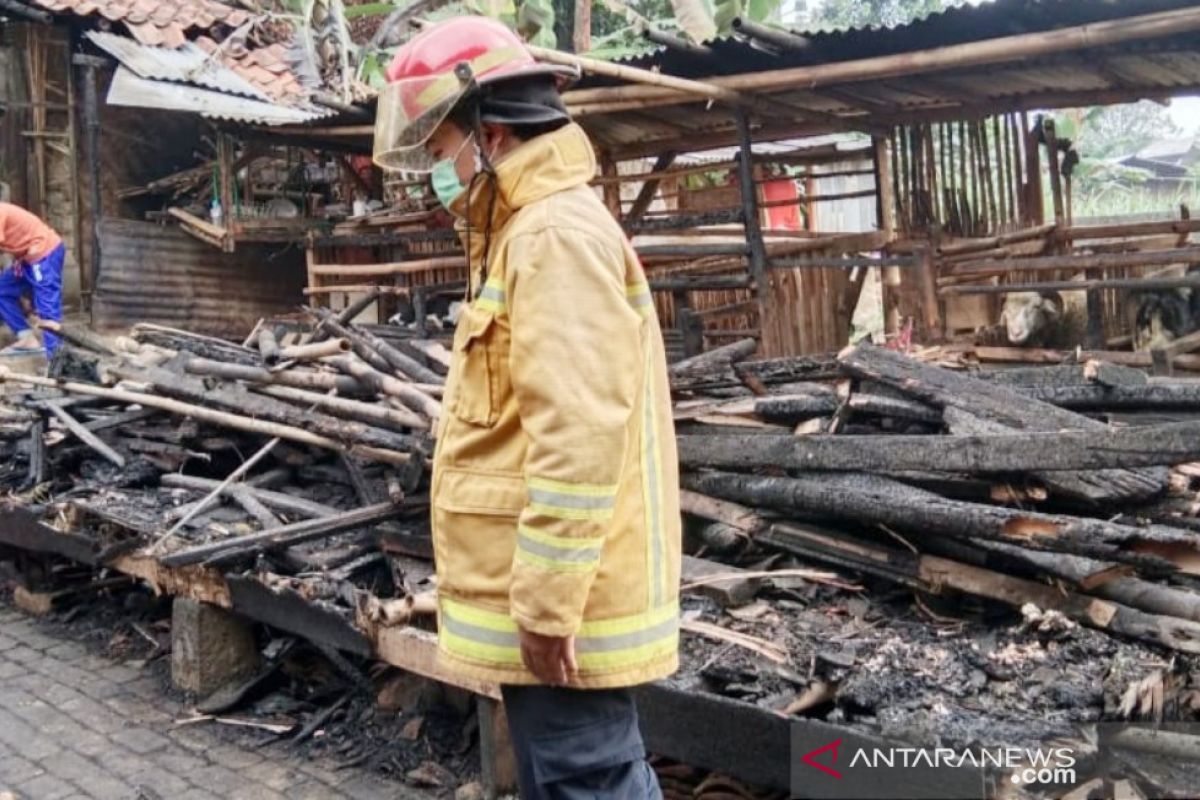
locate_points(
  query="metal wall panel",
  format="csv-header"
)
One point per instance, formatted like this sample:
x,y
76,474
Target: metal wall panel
x,y
157,273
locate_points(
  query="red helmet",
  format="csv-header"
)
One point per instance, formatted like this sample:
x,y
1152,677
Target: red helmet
x,y
432,72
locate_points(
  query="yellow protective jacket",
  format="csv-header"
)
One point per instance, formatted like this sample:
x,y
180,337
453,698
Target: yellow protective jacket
x,y
555,482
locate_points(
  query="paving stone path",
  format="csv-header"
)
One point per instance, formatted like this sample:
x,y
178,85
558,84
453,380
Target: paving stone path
x,y
76,725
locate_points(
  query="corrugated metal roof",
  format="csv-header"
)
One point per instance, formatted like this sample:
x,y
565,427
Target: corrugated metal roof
x,y
156,273
130,90
187,64
1162,64
737,54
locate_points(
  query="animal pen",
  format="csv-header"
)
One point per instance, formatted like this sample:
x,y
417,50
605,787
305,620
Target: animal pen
x,y
880,546
971,185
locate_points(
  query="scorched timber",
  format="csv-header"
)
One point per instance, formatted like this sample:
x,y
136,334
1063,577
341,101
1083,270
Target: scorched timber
x,y
872,500
280,501
1092,449
1107,581
383,384
375,351
282,537
370,413
935,575
1153,395
300,379
226,419
196,344
1001,406
235,399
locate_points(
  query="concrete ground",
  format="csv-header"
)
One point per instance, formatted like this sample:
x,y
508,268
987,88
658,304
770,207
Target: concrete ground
x,y
76,725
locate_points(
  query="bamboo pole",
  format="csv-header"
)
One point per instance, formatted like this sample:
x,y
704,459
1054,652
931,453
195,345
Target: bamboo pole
x,y
373,413
636,75
314,351
388,269
1135,284
1000,50
223,418
380,383
1185,255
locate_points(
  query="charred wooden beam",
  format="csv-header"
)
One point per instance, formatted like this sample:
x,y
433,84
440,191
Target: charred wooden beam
x,y
238,400
84,435
935,575
397,419
277,538
280,501
1008,452
1001,406
873,500
1153,395
194,343
229,420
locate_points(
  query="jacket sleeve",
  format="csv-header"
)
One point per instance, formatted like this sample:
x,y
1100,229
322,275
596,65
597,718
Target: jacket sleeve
x,y
575,366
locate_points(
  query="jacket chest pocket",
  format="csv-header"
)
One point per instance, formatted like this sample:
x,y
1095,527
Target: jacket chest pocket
x,y
481,374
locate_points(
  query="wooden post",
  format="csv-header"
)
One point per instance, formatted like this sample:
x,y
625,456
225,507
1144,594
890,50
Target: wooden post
x,y
887,224
581,38
91,125
612,189
498,763
1033,172
1056,189
691,325
649,188
926,277
225,180
753,224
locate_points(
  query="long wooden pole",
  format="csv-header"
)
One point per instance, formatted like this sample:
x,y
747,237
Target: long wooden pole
x,y
753,225
643,77
994,51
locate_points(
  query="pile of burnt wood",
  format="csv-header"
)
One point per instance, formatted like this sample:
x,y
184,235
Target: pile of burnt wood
x,y
1067,488
313,431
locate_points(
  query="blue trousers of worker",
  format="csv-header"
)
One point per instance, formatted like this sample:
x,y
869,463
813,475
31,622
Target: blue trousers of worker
x,y
44,280
578,744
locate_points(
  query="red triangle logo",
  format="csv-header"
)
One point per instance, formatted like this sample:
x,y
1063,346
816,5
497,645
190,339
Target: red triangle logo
x,y
810,758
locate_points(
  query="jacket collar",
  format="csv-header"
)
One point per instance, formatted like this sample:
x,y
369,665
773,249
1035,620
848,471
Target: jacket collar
x,y
545,165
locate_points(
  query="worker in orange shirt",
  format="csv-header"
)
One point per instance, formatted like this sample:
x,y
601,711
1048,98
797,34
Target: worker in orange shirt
x,y
38,253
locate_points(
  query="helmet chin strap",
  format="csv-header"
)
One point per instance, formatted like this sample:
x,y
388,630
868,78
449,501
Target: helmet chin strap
x,y
484,169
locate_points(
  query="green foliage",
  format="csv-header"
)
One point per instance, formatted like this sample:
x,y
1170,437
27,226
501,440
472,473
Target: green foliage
x,y
859,13
1112,131
370,10
1103,136
696,18
535,22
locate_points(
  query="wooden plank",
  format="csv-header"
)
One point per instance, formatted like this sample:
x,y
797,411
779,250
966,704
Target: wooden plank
x,y
736,591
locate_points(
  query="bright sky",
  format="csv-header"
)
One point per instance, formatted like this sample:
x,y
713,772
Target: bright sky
x,y
1185,111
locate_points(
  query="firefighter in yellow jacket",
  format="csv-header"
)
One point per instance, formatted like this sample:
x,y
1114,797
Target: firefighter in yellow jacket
x,y
555,488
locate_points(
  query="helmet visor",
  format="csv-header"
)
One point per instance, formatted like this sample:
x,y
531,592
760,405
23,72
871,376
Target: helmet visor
x,y
408,113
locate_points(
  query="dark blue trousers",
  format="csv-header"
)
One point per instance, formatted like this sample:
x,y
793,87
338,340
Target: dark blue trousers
x,y
44,280
578,744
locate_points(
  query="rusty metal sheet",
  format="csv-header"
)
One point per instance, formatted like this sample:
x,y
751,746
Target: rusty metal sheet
x,y
187,64
156,273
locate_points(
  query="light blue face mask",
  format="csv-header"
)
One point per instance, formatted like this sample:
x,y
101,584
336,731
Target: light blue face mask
x,y
444,175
